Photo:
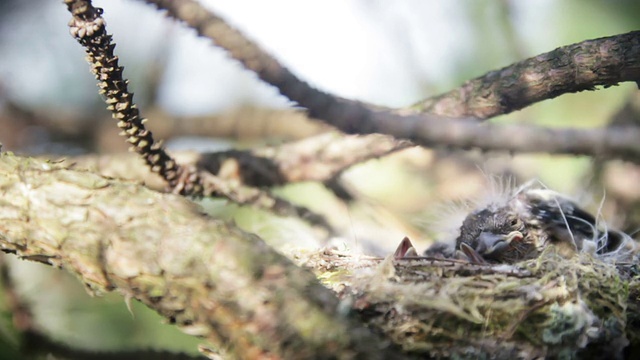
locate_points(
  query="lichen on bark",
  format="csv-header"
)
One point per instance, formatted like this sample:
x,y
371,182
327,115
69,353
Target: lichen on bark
x,y
207,276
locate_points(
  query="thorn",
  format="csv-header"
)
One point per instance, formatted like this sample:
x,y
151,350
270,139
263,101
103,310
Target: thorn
x,y
127,301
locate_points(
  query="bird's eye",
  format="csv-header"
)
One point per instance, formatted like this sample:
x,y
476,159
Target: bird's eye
x,y
514,222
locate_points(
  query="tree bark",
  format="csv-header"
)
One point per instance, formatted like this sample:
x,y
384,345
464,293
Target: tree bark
x,y
218,282
204,275
569,69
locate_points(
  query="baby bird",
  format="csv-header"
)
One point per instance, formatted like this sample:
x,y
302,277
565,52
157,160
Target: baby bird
x,y
522,224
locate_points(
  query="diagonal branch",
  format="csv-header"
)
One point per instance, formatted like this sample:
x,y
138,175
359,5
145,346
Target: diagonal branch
x,y
204,275
89,28
425,129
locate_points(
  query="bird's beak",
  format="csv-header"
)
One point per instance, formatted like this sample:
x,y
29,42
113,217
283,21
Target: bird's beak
x,y
490,243
405,249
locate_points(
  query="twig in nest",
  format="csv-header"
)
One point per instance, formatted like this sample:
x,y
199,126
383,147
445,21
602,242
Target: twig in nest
x,y
445,308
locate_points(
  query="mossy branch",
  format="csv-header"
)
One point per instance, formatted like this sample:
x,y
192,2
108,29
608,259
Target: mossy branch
x,y
206,276
549,307
225,285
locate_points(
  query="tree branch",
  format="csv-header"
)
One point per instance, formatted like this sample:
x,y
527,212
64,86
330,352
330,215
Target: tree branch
x,y
241,174
424,129
89,28
227,286
206,276
569,69
89,130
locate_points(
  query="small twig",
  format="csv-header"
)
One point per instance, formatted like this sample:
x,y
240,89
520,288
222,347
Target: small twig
x,y
317,158
262,199
88,27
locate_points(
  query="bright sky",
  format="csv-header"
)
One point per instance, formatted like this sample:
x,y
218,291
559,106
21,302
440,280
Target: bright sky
x,y
386,52
381,52
357,50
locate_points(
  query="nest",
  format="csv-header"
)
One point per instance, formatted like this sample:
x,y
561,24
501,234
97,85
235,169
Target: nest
x,y
550,306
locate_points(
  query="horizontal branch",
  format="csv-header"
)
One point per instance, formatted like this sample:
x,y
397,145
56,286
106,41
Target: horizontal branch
x,y
611,142
94,134
204,275
569,69
432,130
318,158
242,175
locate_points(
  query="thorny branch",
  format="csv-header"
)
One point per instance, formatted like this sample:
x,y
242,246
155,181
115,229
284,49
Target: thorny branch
x,y
432,129
89,28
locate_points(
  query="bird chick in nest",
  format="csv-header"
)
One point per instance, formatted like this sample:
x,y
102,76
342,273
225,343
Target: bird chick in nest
x,y
522,223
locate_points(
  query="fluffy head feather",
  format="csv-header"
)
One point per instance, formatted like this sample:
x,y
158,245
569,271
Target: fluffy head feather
x,y
514,224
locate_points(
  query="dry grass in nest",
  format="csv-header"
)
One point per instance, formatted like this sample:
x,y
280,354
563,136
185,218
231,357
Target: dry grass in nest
x,y
548,306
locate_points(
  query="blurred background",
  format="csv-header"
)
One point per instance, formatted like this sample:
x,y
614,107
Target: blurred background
x,y
388,53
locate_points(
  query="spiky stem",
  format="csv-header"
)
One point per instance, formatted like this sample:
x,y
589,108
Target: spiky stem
x,y
89,28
